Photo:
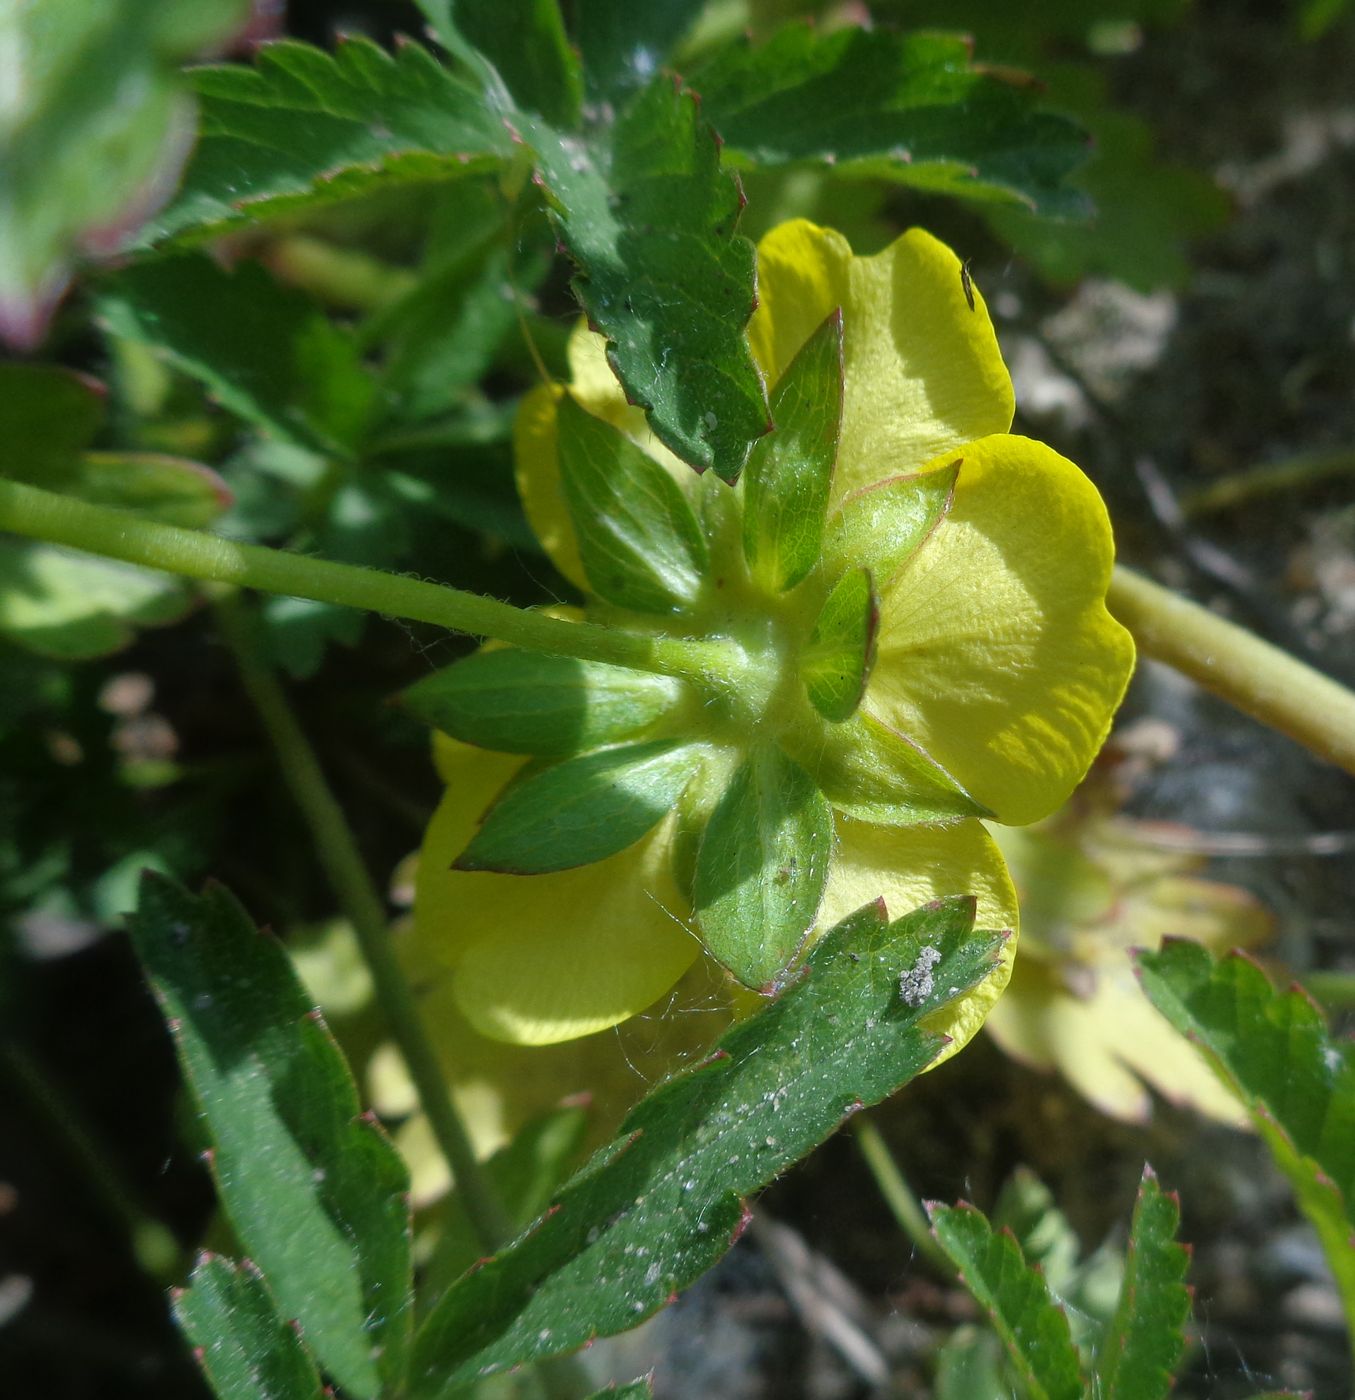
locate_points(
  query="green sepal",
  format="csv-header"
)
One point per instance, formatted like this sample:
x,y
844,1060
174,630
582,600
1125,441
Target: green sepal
x,y
715,768
762,867
790,470
582,810
524,702
837,660
883,526
639,539
870,771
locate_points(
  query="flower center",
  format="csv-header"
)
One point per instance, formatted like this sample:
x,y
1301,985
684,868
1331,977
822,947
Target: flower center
x,y
762,696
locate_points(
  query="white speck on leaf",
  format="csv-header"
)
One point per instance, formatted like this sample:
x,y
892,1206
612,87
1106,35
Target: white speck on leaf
x,y
916,984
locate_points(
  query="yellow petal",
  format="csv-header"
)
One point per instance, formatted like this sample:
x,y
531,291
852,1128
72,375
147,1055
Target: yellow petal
x,y
996,653
538,478
536,959
591,379
498,1088
1149,1045
910,866
1061,889
923,370
1106,1046
1218,915
802,275
1039,1023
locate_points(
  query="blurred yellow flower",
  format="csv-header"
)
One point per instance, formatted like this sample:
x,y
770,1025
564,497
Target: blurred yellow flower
x,y
990,665
1093,885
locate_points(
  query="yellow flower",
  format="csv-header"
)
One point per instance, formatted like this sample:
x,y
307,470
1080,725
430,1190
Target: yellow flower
x,y
1093,885
996,668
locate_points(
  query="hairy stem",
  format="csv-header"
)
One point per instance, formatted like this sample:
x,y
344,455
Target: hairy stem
x,y
1256,677
116,534
1298,473
363,906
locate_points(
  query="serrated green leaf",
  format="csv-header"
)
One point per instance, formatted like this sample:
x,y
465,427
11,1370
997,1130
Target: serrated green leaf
x,y
908,107
642,205
1144,1340
443,335
581,810
1088,1288
870,771
638,536
762,867
525,42
882,527
525,702
837,659
663,1202
1147,209
1273,1050
305,128
315,1193
246,1350
649,216
94,127
623,43
74,606
265,351
1033,1327
790,470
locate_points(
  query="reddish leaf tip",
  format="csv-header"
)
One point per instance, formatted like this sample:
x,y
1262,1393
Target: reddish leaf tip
x,y
744,1221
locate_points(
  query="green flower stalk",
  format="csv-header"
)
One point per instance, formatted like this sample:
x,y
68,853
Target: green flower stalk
x,y
910,603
